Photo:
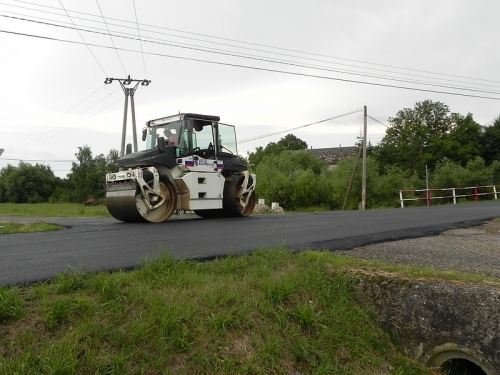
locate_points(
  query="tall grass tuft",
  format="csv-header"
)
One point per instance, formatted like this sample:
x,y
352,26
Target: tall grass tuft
x,y
10,304
58,311
70,282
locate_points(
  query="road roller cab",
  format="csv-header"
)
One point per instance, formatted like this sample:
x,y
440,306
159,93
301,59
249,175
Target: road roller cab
x,y
190,163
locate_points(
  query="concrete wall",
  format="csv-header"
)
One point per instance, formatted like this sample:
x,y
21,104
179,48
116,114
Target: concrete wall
x,y
434,321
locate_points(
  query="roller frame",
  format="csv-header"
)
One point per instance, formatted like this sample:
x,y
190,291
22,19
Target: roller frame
x,y
137,176
156,186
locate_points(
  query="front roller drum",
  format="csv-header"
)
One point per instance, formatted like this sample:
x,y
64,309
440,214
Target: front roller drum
x,y
130,205
121,205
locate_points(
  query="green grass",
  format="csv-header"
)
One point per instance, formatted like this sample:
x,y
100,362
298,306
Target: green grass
x,y
374,266
10,228
271,312
53,210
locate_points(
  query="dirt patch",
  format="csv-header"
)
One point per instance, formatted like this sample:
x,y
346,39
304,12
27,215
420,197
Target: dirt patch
x,y
491,227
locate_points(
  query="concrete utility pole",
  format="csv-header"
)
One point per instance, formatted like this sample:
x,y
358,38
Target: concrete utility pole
x,y
128,92
363,185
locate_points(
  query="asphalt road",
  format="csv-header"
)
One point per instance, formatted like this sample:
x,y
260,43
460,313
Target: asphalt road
x,y
107,244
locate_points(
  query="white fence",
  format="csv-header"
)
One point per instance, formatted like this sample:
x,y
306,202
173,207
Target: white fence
x,y
466,192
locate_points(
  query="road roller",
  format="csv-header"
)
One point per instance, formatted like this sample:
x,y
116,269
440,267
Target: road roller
x,y
189,163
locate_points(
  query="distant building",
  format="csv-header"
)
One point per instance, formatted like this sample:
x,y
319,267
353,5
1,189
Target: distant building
x,y
331,156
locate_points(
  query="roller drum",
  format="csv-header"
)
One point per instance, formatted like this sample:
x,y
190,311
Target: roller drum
x,y
122,205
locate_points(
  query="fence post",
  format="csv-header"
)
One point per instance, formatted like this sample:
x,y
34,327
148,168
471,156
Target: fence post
x,y
475,193
495,191
429,203
401,199
454,197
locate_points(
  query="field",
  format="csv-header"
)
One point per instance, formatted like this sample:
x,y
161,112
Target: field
x,y
53,210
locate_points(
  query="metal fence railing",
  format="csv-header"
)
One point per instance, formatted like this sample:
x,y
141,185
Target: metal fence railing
x,y
465,192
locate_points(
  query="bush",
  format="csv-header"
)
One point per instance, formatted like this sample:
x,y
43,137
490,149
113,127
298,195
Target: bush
x,y
449,174
27,183
386,190
294,179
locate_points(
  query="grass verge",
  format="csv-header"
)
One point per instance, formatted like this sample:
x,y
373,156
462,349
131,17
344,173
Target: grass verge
x,y
10,228
271,312
53,210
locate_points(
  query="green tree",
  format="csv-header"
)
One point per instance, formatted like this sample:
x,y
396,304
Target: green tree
x,y
27,183
87,176
461,143
289,142
4,176
427,133
491,142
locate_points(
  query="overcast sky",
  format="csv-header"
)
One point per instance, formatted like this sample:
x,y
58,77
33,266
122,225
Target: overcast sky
x,y
53,97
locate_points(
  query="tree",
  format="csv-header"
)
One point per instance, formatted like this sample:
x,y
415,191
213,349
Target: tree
x,y
87,176
427,133
289,142
491,142
27,183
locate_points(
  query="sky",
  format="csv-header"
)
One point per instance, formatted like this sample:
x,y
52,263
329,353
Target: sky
x,y
265,67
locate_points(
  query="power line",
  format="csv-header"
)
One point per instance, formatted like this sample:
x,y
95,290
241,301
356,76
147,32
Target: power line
x,y
298,127
99,111
41,160
258,68
84,40
264,45
49,134
140,40
374,119
239,142
309,66
117,54
43,127
274,61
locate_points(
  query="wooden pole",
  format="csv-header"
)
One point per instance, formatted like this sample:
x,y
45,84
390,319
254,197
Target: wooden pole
x,y
363,185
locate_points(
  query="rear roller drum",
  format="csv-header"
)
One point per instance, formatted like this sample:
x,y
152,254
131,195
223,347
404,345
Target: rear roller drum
x,y
236,202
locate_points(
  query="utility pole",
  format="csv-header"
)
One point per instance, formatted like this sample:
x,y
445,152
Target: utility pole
x,y
128,92
351,180
363,184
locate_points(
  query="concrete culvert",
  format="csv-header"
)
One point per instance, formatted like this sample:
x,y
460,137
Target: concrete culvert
x,y
461,366
455,362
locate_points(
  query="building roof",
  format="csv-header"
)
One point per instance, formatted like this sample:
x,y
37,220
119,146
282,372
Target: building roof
x,y
332,155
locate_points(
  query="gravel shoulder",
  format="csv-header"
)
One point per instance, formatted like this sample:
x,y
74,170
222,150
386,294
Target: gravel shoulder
x,y
469,250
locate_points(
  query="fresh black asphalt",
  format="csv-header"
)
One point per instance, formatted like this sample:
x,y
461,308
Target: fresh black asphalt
x,y
106,244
